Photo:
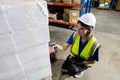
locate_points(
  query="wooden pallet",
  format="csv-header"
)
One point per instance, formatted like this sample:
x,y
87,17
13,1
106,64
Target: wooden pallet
x,y
103,8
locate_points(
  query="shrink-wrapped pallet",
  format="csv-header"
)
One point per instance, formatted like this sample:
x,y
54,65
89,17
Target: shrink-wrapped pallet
x,y
24,38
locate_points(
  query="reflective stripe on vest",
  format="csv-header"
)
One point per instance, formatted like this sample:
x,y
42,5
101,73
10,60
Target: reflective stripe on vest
x,y
87,51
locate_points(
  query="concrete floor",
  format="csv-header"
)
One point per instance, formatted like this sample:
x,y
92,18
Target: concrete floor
x,y
108,33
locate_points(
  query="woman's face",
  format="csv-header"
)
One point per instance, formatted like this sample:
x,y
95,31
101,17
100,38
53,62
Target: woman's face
x,y
81,30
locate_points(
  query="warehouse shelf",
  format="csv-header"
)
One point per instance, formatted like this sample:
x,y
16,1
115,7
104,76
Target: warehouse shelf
x,y
84,7
103,8
65,4
61,22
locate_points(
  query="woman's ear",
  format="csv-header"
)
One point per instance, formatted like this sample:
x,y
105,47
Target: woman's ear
x,y
89,30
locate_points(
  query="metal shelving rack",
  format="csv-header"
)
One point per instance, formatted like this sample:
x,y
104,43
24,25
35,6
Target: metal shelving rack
x,y
85,7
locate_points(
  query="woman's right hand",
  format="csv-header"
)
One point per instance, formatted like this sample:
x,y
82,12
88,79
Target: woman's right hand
x,y
58,46
63,48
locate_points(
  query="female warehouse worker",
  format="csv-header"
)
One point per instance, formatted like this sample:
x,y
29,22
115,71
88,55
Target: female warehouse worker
x,y
84,47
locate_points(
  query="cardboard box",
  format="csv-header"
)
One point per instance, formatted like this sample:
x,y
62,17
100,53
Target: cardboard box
x,y
76,1
105,5
67,1
73,20
66,15
74,13
117,5
108,1
101,0
53,16
101,5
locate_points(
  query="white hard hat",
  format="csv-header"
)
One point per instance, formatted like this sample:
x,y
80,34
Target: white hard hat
x,y
88,19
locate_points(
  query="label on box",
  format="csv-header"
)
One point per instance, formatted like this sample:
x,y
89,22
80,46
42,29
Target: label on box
x,y
106,3
101,5
74,14
74,20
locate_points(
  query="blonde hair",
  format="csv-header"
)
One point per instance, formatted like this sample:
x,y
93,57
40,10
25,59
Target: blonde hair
x,y
89,35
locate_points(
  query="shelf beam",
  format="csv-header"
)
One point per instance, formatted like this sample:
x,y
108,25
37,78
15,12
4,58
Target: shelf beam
x,y
61,22
64,4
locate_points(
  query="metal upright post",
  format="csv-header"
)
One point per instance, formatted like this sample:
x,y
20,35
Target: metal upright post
x,y
83,9
88,6
112,3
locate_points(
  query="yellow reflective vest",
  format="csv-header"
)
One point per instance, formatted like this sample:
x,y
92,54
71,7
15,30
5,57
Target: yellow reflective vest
x,y
87,51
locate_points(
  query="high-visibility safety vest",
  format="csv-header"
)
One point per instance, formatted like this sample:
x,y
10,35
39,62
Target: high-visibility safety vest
x,y
87,51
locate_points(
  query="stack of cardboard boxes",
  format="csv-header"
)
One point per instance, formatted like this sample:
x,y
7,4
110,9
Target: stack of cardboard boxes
x,y
76,1
73,15
117,5
70,15
72,1
67,1
24,38
104,4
